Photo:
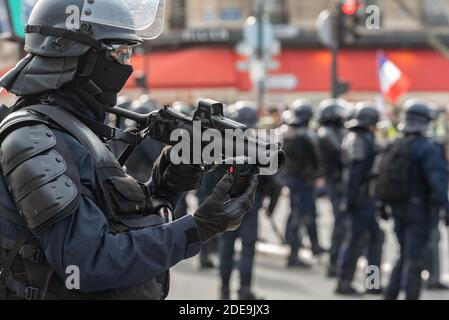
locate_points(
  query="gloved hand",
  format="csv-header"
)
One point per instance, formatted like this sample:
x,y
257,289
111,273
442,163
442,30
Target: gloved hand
x,y
221,213
168,177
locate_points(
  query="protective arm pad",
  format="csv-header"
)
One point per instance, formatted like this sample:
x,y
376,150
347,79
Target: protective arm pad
x,y
35,174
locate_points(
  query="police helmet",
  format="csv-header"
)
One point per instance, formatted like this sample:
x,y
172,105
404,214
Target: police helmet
x,y
149,100
418,116
183,108
144,106
365,115
333,111
64,39
61,28
245,112
301,113
124,102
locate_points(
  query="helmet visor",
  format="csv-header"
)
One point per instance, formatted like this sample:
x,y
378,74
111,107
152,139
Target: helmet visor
x,y
144,17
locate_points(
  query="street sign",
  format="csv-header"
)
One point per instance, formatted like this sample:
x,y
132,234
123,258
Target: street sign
x,y
251,33
244,49
257,71
20,11
325,25
281,82
5,26
269,65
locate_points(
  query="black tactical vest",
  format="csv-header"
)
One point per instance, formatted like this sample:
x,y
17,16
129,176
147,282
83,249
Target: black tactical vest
x,y
123,200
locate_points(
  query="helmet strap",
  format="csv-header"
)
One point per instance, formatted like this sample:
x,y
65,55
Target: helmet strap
x,y
65,34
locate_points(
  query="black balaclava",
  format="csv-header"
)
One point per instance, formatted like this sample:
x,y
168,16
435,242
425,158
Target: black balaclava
x,y
107,74
95,87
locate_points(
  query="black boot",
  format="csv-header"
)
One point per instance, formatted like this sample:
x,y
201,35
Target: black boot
x,y
295,262
375,292
318,251
225,294
331,272
437,286
207,264
246,294
344,288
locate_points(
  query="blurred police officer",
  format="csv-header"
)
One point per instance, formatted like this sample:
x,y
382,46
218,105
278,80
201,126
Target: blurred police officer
x,y
416,214
363,232
439,137
244,112
301,173
333,113
66,203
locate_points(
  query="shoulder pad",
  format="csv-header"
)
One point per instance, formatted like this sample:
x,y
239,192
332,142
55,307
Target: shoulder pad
x,y
36,175
19,119
25,143
355,147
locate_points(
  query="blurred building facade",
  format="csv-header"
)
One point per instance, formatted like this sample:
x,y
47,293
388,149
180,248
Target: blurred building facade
x,y
196,54
196,26
299,16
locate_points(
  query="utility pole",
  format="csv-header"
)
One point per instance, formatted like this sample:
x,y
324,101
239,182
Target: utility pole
x,y
344,33
260,52
338,87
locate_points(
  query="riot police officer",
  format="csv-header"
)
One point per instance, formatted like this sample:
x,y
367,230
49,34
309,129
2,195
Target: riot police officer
x,y
301,172
427,192
66,203
244,112
333,113
363,231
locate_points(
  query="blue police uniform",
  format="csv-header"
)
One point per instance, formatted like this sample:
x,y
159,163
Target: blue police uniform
x,y
248,233
124,259
415,218
302,169
330,139
363,231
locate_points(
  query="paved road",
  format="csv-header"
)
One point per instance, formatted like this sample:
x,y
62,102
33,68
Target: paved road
x,y
274,281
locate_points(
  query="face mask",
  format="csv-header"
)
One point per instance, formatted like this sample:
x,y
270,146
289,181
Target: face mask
x,y
109,75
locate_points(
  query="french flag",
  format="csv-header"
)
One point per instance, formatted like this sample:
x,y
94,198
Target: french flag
x,y
393,82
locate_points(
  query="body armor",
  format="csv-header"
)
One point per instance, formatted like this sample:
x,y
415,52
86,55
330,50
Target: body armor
x,y
302,150
46,188
330,140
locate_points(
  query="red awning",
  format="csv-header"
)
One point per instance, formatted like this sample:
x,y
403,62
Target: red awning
x,y
212,68
193,68
198,68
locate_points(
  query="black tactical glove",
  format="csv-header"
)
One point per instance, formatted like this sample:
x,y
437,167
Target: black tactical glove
x,y
170,178
221,213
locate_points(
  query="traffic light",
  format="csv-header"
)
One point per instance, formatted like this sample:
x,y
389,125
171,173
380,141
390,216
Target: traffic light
x,y
347,22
